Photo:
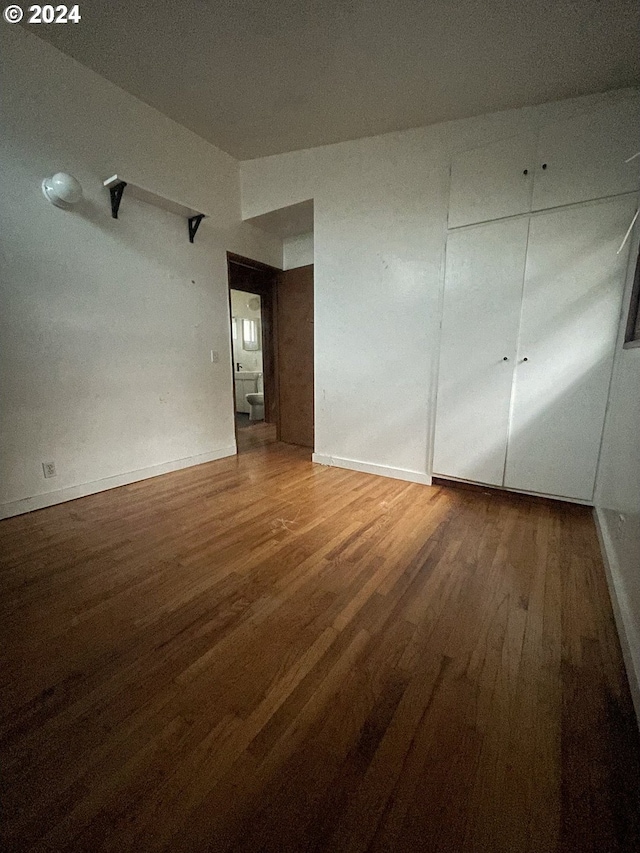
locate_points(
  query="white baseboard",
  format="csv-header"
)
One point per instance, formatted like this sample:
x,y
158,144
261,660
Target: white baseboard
x,y
621,611
70,493
370,468
580,501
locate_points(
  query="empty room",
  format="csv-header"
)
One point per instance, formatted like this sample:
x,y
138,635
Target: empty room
x,y
320,427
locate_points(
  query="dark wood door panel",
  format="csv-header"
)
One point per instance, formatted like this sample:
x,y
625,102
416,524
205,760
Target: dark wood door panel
x,y
295,355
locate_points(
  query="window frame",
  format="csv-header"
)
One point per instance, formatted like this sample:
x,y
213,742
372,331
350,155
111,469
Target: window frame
x,y
632,331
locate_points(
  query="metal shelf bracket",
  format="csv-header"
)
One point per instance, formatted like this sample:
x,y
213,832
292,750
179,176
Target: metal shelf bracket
x,y
194,224
115,192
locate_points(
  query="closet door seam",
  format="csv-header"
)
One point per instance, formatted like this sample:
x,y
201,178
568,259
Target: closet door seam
x,y
543,211
517,355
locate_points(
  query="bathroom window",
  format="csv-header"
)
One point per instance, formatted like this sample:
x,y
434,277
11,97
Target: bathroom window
x,y
234,328
250,335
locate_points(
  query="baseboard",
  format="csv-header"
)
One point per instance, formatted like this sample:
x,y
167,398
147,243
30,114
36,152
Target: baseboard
x,y
8,510
448,480
626,633
370,468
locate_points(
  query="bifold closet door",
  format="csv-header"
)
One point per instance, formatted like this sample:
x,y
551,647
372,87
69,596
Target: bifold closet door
x,y
587,156
571,305
482,300
493,181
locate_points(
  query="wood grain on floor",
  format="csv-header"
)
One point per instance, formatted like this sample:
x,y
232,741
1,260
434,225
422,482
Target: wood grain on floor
x,y
263,654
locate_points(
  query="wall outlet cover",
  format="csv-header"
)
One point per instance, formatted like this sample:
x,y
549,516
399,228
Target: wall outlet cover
x,y
49,469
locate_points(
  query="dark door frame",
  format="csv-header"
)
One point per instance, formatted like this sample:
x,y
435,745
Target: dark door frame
x,y
255,277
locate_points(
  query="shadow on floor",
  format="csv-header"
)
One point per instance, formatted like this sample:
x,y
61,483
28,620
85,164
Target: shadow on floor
x,y
252,434
242,420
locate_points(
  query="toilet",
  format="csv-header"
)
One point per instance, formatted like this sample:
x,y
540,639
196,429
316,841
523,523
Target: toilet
x,y
256,402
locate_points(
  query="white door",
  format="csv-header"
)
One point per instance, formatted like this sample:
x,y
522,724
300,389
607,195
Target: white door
x,y
584,157
573,289
482,299
493,181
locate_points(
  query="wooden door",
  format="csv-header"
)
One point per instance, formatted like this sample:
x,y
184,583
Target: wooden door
x,y
571,307
482,299
295,355
584,157
493,181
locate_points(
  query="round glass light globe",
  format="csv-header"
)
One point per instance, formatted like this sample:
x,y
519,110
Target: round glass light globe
x,y
62,190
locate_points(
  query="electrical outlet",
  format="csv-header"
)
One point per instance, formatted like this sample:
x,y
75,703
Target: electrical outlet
x,y
49,469
215,356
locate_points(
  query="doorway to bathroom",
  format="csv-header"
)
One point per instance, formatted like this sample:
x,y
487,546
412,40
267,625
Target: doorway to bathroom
x,y
272,314
251,304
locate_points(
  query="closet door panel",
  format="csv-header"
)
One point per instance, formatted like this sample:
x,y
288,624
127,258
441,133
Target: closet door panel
x,y
585,156
573,289
482,298
489,182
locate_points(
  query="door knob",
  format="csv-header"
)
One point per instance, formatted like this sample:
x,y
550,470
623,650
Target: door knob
x,y
505,358
525,358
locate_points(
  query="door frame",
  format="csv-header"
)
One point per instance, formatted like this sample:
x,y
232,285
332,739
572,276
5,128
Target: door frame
x,y
266,288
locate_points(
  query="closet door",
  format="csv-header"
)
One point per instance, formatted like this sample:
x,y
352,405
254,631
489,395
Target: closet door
x,y
482,298
572,295
492,182
584,157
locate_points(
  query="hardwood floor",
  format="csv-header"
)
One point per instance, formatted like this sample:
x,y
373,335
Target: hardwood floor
x,y
262,654
255,435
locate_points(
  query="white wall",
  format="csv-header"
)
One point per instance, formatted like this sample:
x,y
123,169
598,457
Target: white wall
x,y
618,494
297,251
107,326
380,207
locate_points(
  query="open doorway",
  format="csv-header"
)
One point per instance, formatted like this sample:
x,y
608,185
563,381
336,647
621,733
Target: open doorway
x,y
272,321
246,337
294,321
251,304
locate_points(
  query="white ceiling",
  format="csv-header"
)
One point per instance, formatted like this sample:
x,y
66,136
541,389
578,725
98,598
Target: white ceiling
x,y
258,77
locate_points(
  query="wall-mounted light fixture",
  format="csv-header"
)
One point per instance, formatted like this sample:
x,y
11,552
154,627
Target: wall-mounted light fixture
x,y
62,190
